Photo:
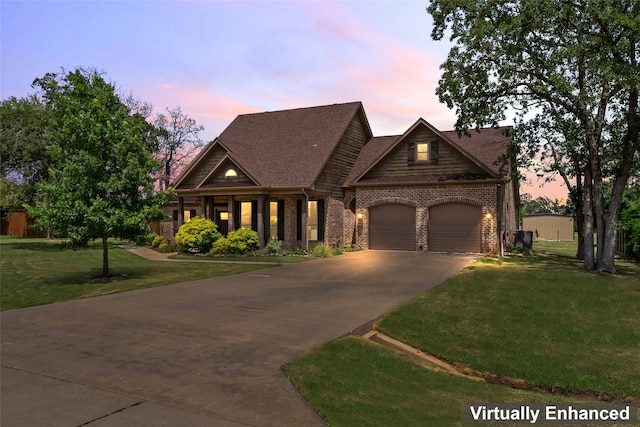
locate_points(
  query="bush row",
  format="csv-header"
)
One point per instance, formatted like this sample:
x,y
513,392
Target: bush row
x,y
201,235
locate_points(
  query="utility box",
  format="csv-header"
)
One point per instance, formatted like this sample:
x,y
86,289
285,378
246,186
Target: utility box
x,y
524,239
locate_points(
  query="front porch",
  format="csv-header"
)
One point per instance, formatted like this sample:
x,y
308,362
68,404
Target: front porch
x,y
299,220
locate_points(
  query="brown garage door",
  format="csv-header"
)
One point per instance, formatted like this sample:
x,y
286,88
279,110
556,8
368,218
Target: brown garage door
x,y
455,227
392,226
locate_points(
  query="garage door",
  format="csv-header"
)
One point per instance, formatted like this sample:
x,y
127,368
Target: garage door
x,y
455,227
392,226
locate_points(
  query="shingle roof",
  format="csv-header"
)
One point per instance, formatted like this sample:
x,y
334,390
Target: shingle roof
x,y
288,148
488,146
371,151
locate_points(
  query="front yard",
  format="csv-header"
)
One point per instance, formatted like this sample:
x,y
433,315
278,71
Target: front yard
x,y
39,271
540,318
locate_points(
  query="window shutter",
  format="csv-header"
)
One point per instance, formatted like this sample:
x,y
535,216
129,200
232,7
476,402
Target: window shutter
x,y
321,220
411,152
254,215
237,215
192,213
280,219
175,214
433,152
299,219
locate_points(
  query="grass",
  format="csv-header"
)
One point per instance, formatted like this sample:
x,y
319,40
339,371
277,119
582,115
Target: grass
x,y
566,248
37,271
354,382
539,318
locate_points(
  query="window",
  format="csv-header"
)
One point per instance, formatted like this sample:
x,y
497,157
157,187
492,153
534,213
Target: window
x,y
231,173
422,152
245,215
273,220
312,223
224,216
189,214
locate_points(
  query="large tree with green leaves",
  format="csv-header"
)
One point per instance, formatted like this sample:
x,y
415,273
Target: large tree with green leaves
x,y
24,139
557,60
100,184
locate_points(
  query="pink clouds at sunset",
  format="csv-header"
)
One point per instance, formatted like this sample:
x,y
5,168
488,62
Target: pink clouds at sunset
x,y
218,59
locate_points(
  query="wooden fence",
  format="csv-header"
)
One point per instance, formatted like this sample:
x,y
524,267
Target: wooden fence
x,y
18,224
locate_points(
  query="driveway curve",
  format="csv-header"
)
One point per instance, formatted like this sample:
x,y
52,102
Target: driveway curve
x,y
201,353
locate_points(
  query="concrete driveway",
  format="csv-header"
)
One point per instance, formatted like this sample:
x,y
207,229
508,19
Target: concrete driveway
x,y
204,353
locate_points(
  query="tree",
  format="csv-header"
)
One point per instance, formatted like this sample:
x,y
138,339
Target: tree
x,y
100,184
542,205
630,222
560,60
178,142
24,139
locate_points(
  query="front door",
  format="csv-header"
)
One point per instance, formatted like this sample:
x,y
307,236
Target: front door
x,y
222,220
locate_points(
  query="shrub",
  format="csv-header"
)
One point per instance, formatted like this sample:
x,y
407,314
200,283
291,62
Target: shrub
x,y
145,239
165,248
274,247
239,242
157,241
323,251
220,246
198,234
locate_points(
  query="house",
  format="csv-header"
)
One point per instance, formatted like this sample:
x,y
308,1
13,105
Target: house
x,y
318,174
549,226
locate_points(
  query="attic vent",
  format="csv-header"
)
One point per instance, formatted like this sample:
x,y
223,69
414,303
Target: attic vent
x,y
230,173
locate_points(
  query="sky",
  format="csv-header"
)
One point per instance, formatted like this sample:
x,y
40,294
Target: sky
x,y
218,59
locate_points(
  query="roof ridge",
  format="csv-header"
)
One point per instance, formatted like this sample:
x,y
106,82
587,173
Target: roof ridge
x,y
300,108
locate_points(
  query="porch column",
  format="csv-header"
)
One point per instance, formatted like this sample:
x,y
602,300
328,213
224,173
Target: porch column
x,y
267,219
211,208
180,211
260,219
304,220
203,206
230,209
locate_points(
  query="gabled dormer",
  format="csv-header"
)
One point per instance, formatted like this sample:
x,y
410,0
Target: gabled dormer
x,y
422,154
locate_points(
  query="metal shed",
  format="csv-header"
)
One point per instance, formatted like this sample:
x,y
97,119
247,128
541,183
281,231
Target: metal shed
x,y
549,226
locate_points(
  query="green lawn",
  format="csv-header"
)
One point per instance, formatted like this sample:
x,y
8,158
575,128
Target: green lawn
x,y
540,318
354,382
38,271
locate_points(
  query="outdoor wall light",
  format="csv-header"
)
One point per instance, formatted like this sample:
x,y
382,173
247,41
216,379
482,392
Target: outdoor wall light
x,y
488,215
360,215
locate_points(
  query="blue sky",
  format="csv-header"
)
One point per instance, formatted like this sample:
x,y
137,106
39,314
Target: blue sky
x,y
218,59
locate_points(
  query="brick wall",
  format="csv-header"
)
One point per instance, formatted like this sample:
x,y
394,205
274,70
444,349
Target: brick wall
x,y
422,198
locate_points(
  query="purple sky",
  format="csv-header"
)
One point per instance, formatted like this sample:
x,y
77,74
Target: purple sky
x,y
218,59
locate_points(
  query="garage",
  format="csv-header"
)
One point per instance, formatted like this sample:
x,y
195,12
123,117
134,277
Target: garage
x,y
455,227
392,227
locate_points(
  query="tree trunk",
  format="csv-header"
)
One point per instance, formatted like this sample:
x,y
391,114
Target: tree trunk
x,y
606,262
589,262
577,200
105,257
